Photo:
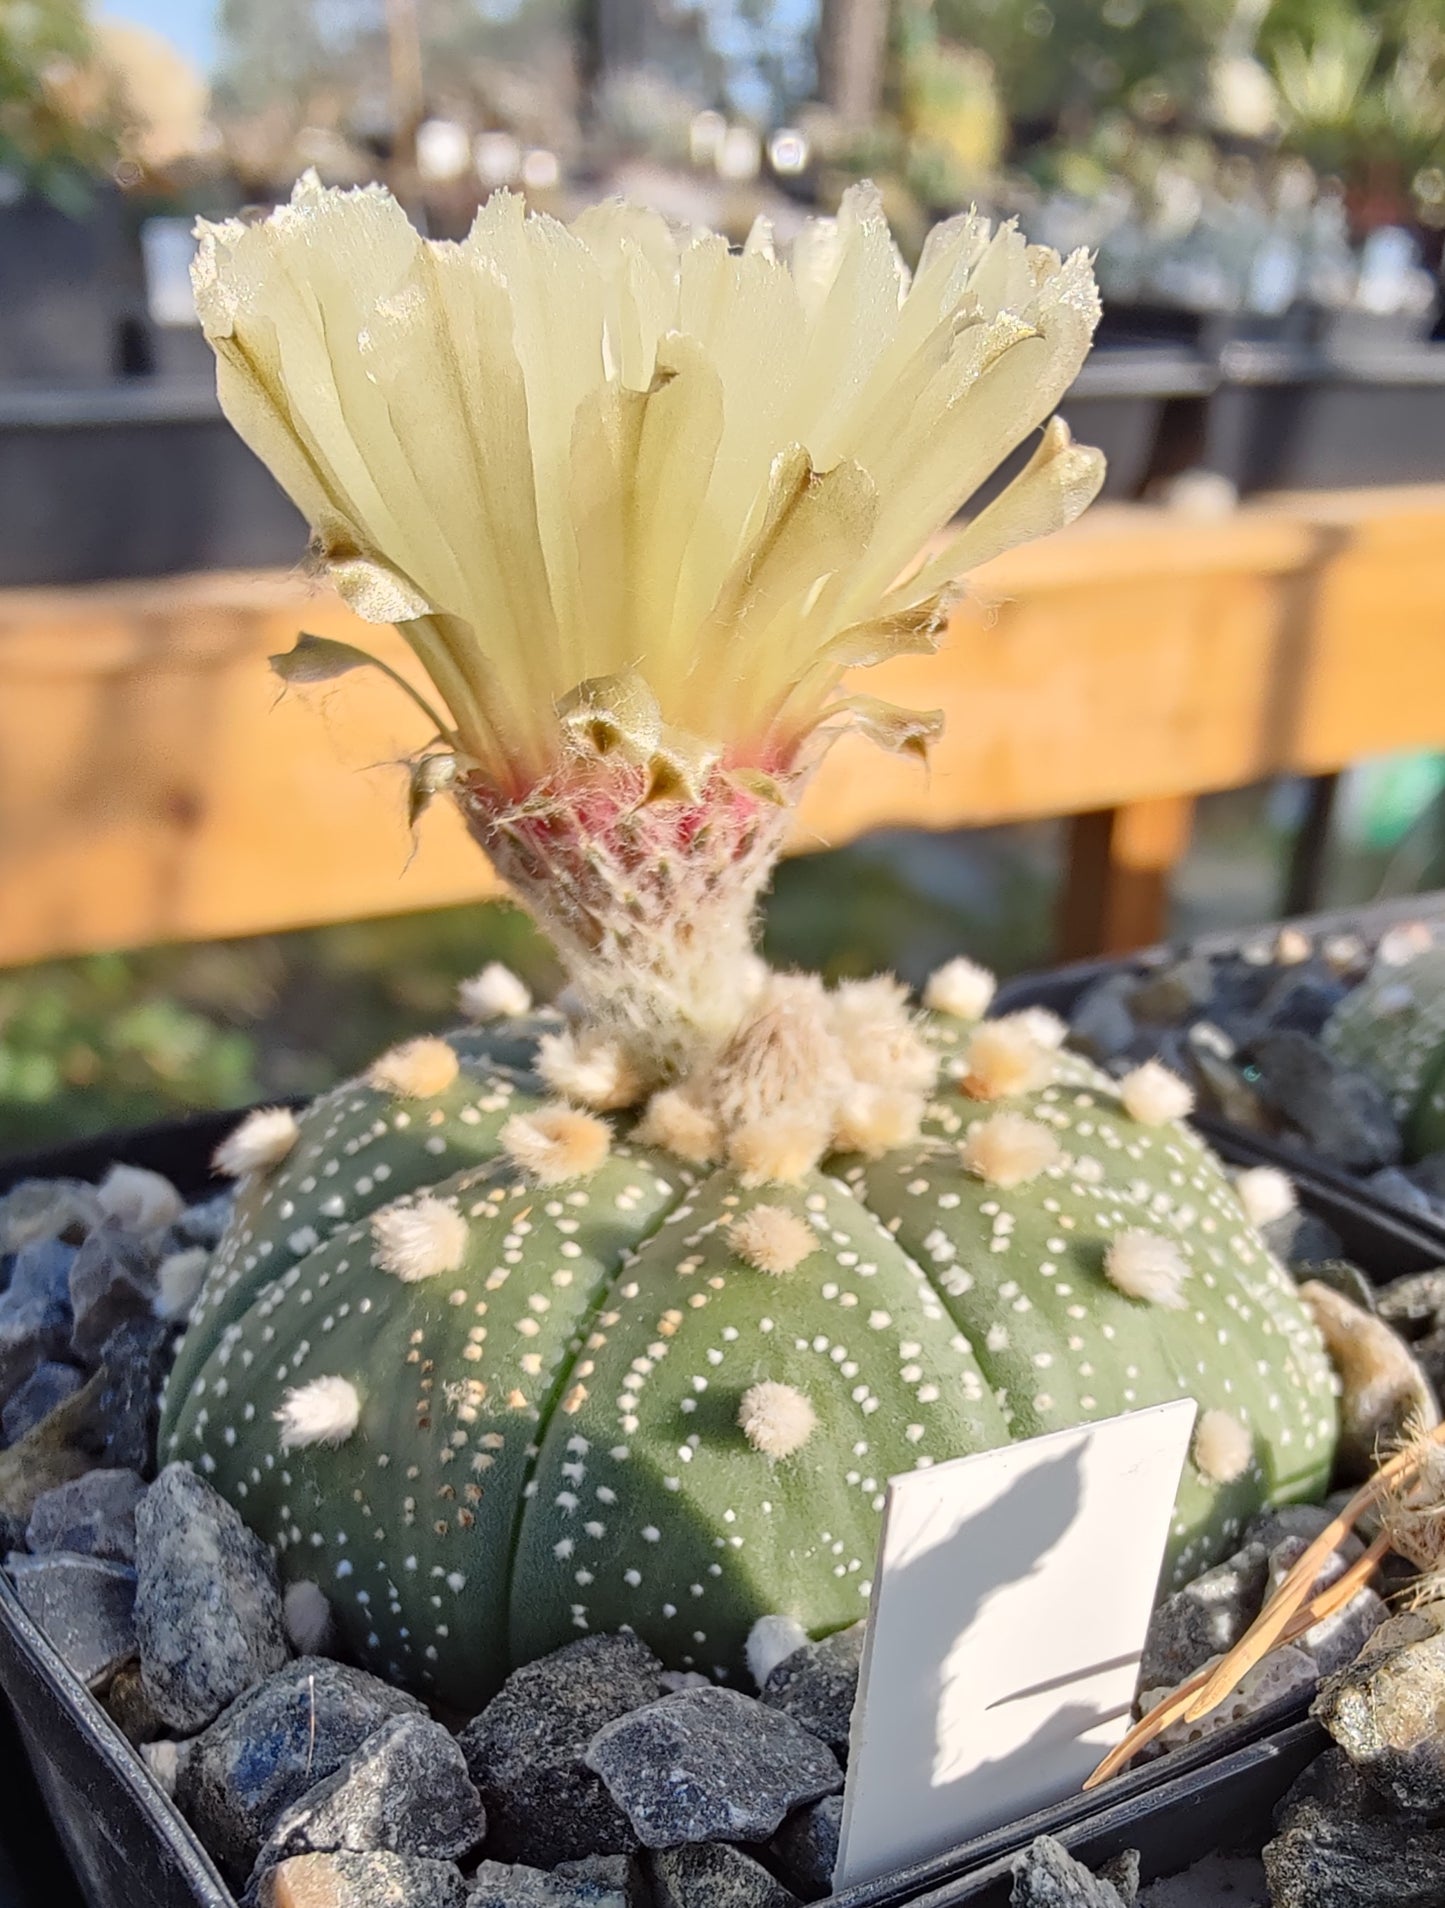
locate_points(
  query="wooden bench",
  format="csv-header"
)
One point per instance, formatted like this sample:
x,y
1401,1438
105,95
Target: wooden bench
x,y
153,787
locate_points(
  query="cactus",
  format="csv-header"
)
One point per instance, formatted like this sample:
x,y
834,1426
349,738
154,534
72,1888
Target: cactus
x,y
653,1396
1392,1026
623,1318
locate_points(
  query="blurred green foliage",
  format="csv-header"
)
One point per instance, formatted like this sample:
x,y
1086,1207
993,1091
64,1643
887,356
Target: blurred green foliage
x,y
118,1040
59,123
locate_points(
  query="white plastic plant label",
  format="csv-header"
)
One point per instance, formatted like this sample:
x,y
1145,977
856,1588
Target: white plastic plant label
x,y
1009,1609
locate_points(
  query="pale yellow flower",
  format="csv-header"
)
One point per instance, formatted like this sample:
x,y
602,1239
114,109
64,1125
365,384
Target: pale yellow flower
x,y
638,502
614,451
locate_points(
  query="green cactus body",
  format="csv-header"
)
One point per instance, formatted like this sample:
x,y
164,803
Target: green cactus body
x,y
1392,1026
547,1435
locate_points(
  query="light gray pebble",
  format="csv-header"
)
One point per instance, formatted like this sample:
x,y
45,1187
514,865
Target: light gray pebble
x,y
710,1765
208,1605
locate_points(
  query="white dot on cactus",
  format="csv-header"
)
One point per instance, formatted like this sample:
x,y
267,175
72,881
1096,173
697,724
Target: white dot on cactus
x,y
418,1240
775,1418
325,1411
141,1200
1147,1266
1265,1193
1223,1447
1153,1095
772,1239
772,1640
960,988
416,1070
1004,1060
179,1277
1009,1150
589,1068
777,1150
307,1615
261,1141
494,994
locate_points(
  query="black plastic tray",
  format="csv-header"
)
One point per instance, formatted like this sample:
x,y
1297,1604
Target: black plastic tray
x,y
128,1844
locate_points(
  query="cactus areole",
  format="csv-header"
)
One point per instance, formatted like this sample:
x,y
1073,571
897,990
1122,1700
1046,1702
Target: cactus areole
x,y
622,1319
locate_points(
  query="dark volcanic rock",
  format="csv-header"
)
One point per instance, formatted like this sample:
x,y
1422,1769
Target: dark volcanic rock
x,y
85,1606
713,1875
601,1881
1047,1876
273,1745
1384,1710
1343,1113
710,1765
49,1385
818,1685
133,1364
527,1749
805,1848
405,1789
378,1880
1205,1618
111,1281
93,1515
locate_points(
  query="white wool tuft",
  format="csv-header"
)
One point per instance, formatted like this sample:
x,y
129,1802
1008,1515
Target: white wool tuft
x,y
874,1120
1265,1193
326,1411
261,1141
772,1640
494,994
776,1419
777,1151
783,1062
142,1201
1009,1149
1146,1265
1223,1447
961,988
307,1615
416,1070
1003,1060
589,1068
179,1278
417,1239
679,1125
557,1143
163,1759
772,1239
1042,1026
1154,1096
880,1041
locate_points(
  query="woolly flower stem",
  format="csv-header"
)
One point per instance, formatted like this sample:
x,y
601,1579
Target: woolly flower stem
x,y
649,904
